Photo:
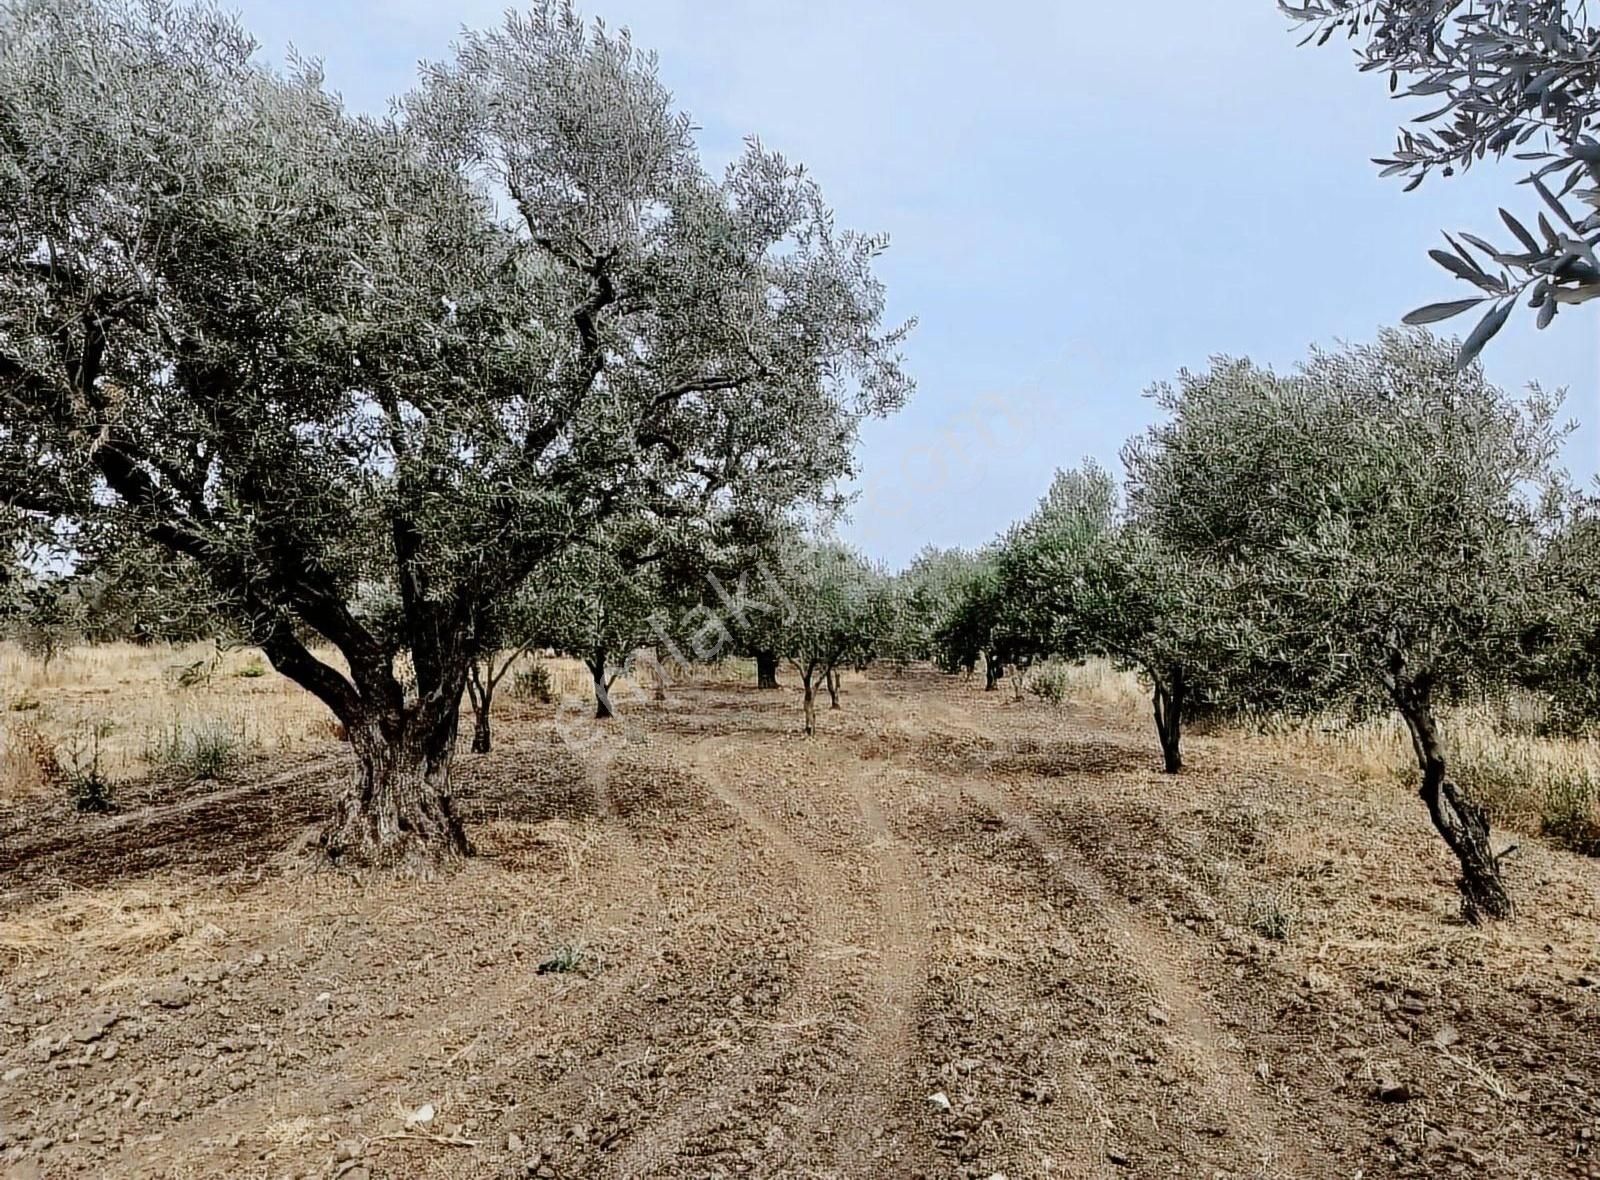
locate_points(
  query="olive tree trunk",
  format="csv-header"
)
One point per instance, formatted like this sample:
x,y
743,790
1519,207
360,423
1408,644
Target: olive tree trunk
x,y
480,691
1463,824
808,685
602,687
832,681
766,669
483,677
396,811
992,671
1168,701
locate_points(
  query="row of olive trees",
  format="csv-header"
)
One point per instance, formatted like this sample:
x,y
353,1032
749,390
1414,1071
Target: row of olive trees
x,y
732,583
1380,525
320,359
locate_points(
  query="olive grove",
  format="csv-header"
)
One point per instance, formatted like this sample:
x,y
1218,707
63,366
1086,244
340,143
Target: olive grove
x,y
307,350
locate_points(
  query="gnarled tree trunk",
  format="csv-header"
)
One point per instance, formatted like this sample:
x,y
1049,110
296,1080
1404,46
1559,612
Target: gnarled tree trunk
x,y
832,681
808,684
766,669
1462,823
992,671
396,810
1168,701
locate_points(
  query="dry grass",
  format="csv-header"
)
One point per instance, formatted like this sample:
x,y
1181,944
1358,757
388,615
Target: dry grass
x,y
1529,783
1098,682
130,709
123,705
113,925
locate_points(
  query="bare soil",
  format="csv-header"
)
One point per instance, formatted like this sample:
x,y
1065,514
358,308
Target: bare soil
x,y
954,935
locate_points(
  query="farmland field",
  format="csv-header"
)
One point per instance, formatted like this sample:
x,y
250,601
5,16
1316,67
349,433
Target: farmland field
x,y
955,934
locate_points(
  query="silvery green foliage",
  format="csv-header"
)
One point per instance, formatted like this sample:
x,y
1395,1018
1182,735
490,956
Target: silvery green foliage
x,y
47,615
1383,508
1388,508
722,590
926,592
970,628
1563,646
1496,77
731,329
1018,600
839,610
314,352
1040,565
599,601
1157,609
142,592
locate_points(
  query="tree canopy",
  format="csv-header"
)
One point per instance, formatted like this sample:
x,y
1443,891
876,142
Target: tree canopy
x,y
1388,510
309,350
838,609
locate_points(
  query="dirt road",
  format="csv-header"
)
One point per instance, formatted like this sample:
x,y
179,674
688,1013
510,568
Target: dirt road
x,y
953,935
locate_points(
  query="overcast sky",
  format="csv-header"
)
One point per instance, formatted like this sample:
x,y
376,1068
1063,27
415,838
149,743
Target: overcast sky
x,y
1083,199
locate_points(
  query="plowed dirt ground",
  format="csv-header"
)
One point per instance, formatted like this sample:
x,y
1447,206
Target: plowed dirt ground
x,y
954,935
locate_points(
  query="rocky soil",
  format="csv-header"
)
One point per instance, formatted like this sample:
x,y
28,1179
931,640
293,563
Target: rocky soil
x,y
954,935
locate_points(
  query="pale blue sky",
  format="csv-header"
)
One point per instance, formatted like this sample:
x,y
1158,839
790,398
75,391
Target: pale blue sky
x,y
1082,199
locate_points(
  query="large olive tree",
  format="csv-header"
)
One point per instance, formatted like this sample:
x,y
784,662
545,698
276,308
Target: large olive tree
x,y
1492,77
1387,508
311,351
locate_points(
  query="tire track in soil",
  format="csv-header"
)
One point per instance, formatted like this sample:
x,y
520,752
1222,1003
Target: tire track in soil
x,y
886,1046
990,1018
1158,959
657,1145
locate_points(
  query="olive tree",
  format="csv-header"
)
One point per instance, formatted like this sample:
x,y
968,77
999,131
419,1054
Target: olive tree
x,y
1040,563
926,591
726,590
1012,603
505,632
1562,648
1388,508
48,617
1494,76
1185,622
839,611
972,627
311,351
600,604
